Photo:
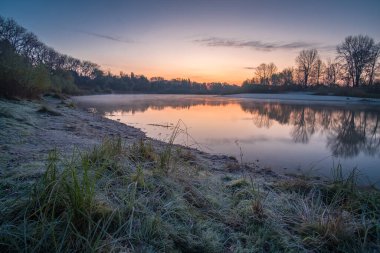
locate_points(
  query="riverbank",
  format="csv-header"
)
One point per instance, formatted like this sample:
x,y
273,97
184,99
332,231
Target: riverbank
x,y
73,180
307,98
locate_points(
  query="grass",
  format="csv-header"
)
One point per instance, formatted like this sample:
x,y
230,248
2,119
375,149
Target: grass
x,y
166,155
47,110
140,198
5,113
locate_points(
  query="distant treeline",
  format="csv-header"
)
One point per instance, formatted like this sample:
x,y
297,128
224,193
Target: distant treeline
x,y
132,83
29,68
355,66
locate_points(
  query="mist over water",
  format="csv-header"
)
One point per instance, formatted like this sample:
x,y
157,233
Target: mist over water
x,y
285,136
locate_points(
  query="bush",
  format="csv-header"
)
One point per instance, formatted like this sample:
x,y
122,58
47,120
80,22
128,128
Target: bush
x,y
19,78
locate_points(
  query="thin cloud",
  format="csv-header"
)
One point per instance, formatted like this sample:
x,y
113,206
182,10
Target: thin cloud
x,y
329,48
107,37
258,45
250,68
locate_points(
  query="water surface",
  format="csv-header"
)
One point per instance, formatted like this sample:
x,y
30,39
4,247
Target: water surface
x,y
286,136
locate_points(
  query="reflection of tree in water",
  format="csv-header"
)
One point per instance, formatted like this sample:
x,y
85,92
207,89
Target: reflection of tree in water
x,y
304,125
325,120
354,133
263,114
264,118
373,137
299,131
349,130
301,117
348,136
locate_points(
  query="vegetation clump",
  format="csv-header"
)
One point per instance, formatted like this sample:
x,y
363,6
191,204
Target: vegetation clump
x,y
116,198
47,110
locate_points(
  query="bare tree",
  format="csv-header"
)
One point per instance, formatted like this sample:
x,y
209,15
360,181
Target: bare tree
x,y
377,73
286,76
357,53
306,62
264,72
332,72
319,67
271,69
261,73
12,32
88,68
371,69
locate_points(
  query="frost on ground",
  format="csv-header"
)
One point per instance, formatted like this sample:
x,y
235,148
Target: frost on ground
x,y
74,181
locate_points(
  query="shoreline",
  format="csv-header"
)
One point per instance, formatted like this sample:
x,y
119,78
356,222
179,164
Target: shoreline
x,y
63,167
70,129
306,98
77,129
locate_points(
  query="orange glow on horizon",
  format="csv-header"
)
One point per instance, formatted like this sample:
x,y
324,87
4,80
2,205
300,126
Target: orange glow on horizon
x,y
194,62
223,77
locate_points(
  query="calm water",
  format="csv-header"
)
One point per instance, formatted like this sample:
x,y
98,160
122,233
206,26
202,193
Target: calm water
x,y
280,135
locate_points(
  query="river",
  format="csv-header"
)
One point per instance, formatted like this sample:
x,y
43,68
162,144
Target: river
x,y
282,134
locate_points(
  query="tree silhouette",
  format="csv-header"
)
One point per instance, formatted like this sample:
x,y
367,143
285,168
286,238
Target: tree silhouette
x,y
357,53
347,138
299,131
331,72
306,61
264,73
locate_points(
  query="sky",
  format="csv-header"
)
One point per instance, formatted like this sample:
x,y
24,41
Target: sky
x,y
206,41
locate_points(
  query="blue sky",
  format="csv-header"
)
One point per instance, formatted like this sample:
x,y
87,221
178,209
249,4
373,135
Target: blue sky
x,y
216,40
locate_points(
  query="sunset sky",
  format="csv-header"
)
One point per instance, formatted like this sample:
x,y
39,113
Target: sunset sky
x,y
205,41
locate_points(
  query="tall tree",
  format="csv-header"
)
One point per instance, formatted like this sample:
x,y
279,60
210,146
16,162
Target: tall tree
x,y
287,76
332,72
271,69
319,68
264,72
373,66
357,53
261,73
306,62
